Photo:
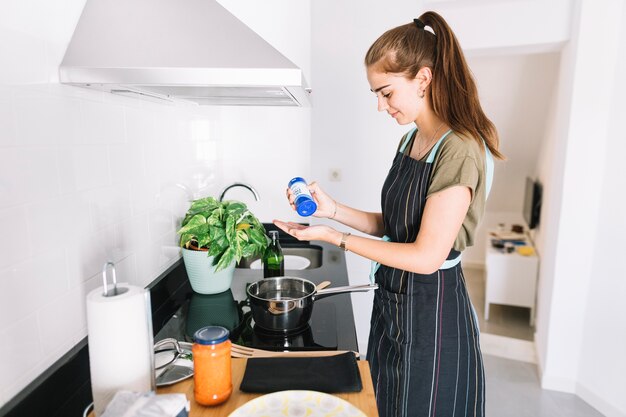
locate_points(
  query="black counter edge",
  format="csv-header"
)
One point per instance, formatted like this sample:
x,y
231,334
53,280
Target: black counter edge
x,y
64,389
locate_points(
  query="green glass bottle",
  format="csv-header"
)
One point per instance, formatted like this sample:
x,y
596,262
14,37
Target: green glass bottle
x,y
273,259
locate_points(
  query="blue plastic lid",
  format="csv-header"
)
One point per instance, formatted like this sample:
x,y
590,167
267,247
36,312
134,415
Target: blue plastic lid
x,y
211,335
306,207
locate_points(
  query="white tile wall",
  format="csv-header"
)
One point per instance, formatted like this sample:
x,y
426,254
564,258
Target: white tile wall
x,y
19,340
25,49
87,177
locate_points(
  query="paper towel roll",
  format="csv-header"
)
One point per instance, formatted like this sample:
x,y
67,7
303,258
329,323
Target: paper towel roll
x,y
120,343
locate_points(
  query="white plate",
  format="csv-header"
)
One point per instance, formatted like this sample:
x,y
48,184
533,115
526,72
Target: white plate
x,y
297,404
179,370
292,262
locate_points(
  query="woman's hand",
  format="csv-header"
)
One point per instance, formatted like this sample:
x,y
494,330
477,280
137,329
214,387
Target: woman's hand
x,y
326,206
316,232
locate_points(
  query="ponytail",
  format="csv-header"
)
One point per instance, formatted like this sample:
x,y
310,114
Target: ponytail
x,y
453,93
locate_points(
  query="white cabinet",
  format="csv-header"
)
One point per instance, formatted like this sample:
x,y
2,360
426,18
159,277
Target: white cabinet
x,y
511,279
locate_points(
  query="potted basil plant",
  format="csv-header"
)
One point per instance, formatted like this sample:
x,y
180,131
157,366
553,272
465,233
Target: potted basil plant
x,y
214,236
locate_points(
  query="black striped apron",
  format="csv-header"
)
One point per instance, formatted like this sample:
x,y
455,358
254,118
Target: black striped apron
x,y
423,345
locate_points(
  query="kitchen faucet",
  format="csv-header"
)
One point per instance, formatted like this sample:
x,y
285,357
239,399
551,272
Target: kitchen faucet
x,y
240,184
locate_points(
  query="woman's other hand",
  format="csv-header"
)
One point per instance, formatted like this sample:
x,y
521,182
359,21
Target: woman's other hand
x,y
326,206
316,232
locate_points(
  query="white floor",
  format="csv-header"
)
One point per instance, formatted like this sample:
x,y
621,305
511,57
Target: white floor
x,y
513,386
513,390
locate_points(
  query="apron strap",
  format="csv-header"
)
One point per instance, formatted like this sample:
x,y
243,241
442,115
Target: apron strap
x,y
407,139
447,264
433,152
450,263
376,265
489,166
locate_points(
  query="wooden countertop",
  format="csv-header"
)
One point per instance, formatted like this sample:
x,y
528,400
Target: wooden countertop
x,y
364,400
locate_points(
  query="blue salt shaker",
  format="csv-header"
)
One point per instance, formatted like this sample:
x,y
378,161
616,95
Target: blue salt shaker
x,y
305,205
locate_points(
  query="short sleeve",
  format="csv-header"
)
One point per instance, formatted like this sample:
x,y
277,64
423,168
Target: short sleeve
x,y
458,171
461,162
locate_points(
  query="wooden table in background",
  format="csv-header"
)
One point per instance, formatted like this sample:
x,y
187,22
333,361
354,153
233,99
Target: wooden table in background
x,y
364,400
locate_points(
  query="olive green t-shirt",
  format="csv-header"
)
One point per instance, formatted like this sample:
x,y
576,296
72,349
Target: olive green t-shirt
x,y
460,161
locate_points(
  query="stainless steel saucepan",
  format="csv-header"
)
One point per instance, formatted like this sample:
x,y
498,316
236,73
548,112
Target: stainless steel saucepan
x,y
286,303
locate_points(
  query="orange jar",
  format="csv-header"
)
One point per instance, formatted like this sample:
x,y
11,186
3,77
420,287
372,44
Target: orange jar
x,y
211,365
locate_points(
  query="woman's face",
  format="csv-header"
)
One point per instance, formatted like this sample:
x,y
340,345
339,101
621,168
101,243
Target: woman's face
x,y
397,95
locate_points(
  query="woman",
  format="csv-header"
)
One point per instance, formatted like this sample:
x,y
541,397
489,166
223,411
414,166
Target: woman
x,y
423,347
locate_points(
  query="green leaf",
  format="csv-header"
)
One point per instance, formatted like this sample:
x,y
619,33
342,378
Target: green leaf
x,y
216,250
204,241
196,228
219,213
248,250
195,221
235,208
214,220
242,236
257,224
258,237
218,235
204,204
230,229
185,238
226,259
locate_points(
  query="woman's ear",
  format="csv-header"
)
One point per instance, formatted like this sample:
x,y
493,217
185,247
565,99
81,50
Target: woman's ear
x,y
424,77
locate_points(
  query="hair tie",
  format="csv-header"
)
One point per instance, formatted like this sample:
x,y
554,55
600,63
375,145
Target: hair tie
x,y
421,25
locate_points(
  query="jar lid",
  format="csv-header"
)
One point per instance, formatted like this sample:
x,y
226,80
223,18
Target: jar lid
x,y
211,335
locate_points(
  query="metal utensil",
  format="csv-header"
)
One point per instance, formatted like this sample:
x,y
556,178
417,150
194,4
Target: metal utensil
x,y
178,365
177,351
173,374
322,285
238,351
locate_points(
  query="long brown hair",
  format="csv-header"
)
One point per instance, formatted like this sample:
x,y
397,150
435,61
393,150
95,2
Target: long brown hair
x,y
453,93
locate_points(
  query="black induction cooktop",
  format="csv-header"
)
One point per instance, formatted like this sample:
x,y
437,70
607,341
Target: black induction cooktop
x,y
223,310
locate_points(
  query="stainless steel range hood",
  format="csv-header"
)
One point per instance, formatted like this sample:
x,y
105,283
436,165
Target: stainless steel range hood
x,y
191,50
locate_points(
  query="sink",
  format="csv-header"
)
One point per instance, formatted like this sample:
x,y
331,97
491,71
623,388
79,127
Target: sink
x,y
297,256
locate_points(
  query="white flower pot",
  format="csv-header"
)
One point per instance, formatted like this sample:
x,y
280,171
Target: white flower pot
x,y
202,275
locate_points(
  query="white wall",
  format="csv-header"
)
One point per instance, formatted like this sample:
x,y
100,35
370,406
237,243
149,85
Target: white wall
x,y
604,340
581,335
506,26
516,92
87,177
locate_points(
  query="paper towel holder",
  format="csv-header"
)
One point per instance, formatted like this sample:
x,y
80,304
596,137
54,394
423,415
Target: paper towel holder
x,y
114,291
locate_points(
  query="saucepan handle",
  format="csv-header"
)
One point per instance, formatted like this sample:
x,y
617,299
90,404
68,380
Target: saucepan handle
x,y
327,292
